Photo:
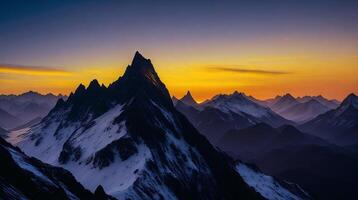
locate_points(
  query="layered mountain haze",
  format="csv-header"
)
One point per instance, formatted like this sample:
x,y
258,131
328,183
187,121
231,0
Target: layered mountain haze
x,y
304,111
25,109
300,109
223,112
340,125
279,104
332,104
325,170
129,138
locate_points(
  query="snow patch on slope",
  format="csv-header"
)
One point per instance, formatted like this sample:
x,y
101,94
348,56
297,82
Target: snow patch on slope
x,y
101,133
267,186
238,103
115,178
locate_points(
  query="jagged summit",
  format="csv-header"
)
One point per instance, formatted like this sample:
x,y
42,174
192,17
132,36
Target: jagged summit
x,y
93,85
142,66
350,99
289,97
188,99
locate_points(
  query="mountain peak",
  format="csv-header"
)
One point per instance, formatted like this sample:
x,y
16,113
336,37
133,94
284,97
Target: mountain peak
x,y
288,95
93,85
188,99
140,62
141,68
351,99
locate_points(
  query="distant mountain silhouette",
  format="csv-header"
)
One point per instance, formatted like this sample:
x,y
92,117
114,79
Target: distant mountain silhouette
x,y
282,103
332,104
305,111
188,99
340,125
26,107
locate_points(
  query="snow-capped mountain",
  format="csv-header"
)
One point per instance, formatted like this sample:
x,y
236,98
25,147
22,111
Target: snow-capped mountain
x,y
130,139
188,99
22,177
268,186
340,125
305,111
239,103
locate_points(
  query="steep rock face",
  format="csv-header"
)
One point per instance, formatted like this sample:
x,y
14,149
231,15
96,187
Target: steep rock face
x,y
22,177
130,139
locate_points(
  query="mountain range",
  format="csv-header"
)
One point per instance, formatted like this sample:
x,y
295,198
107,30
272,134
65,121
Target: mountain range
x,y
326,171
224,112
339,125
129,138
17,110
300,109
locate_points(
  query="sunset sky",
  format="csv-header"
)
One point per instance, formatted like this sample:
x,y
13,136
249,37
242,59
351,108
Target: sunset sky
x,y
305,47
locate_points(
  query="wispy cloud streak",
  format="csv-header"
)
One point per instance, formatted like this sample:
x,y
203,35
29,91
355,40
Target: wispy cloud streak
x,y
243,70
33,70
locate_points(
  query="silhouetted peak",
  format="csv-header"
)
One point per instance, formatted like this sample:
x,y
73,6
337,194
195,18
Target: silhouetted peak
x,y
141,69
60,102
351,99
81,88
288,96
140,62
94,85
238,94
188,99
30,93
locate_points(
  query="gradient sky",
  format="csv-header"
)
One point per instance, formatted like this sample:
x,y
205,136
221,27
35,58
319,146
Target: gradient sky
x,y
260,47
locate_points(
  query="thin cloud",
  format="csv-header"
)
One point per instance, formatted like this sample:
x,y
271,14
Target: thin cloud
x,y
242,70
33,70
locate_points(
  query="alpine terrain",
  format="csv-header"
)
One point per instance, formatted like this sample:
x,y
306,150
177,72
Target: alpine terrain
x,y
129,138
